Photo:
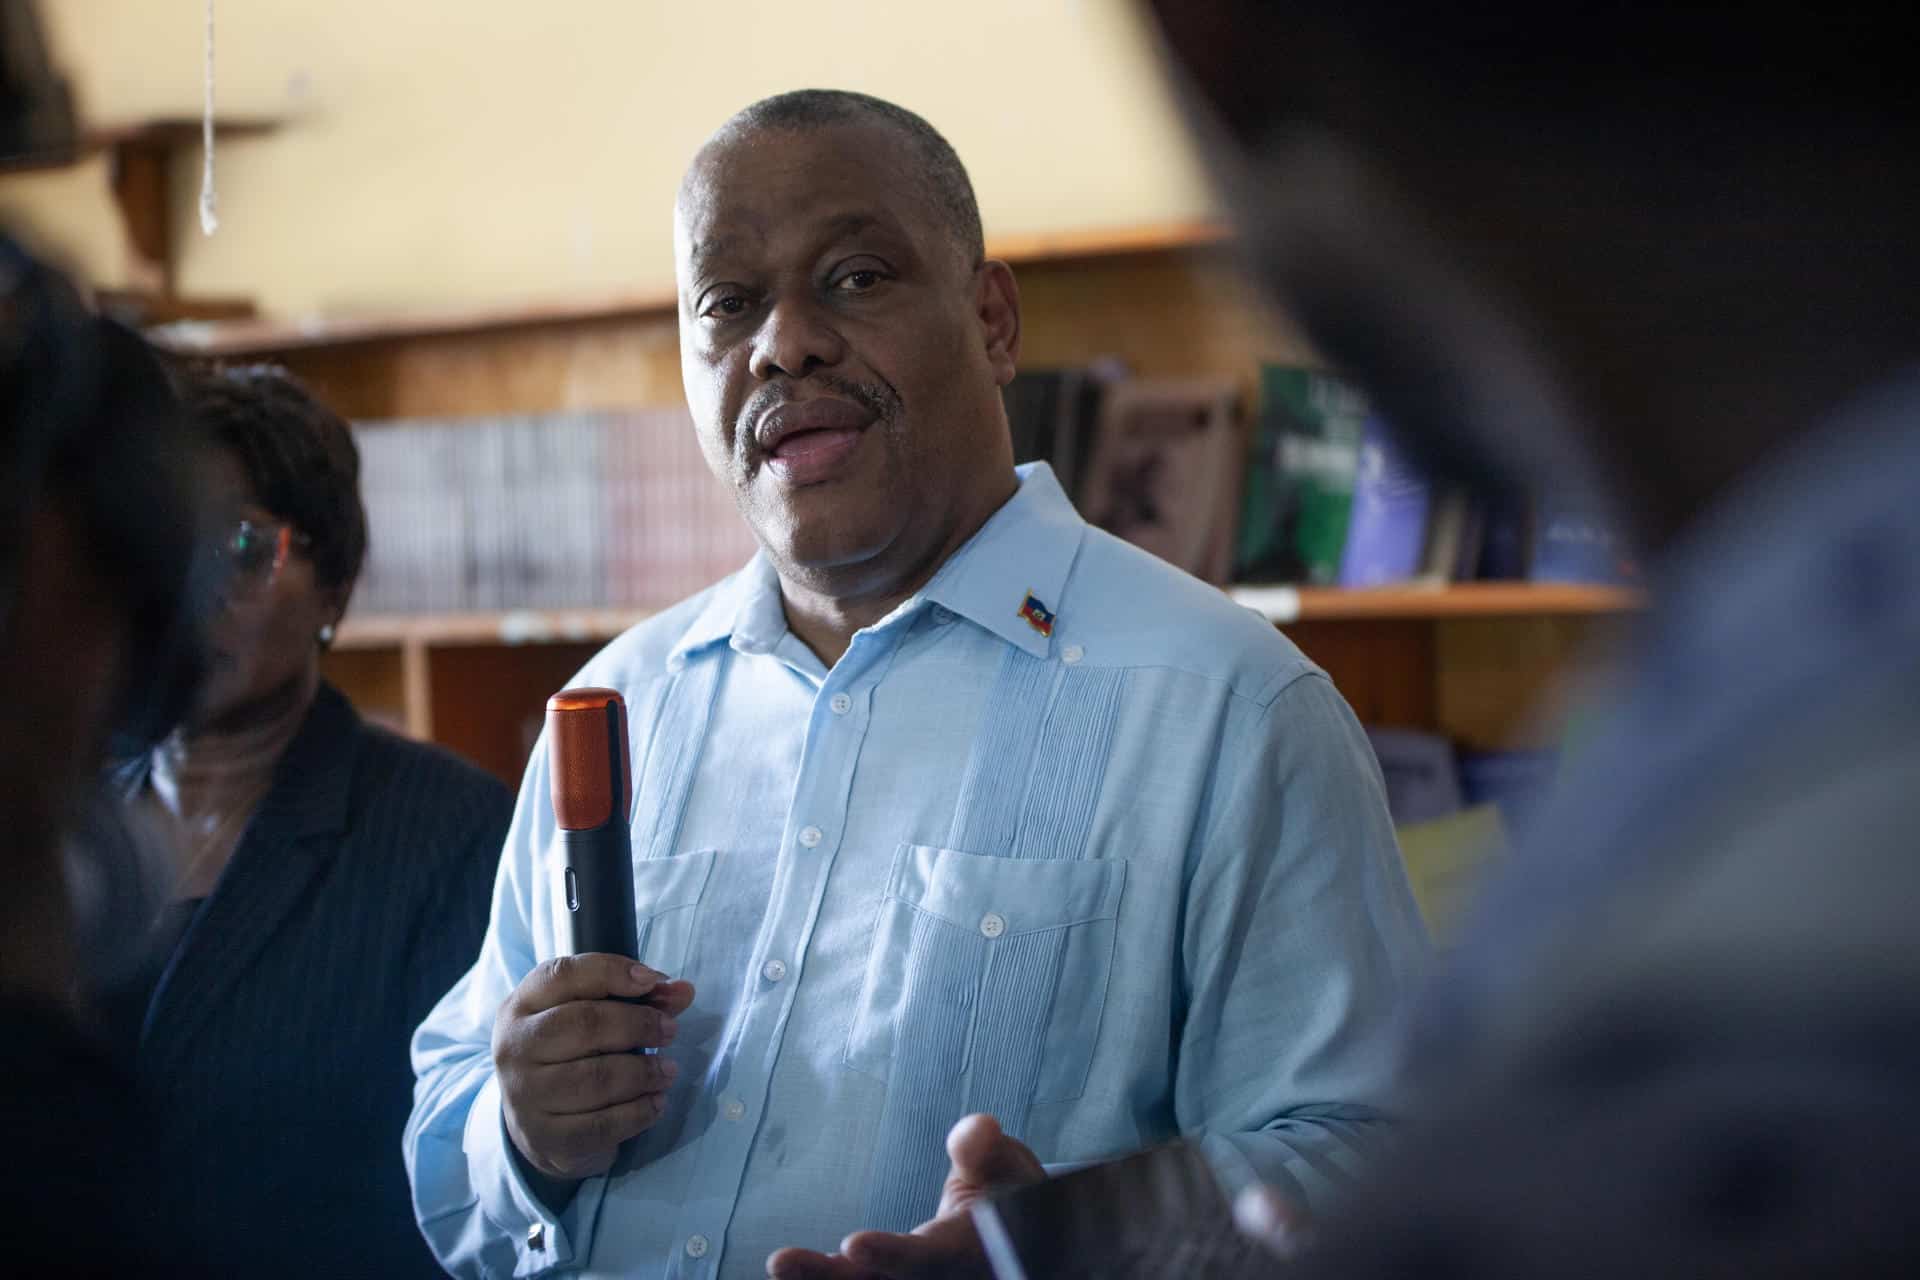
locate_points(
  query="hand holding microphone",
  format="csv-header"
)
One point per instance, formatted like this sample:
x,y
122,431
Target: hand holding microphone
x,y
572,1089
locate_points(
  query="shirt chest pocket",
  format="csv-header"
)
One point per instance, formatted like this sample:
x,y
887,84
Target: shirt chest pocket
x,y
988,970
666,893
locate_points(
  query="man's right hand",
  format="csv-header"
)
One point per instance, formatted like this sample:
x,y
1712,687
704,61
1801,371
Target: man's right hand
x,y
571,1087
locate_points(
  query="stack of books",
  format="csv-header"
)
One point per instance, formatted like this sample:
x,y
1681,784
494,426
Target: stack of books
x,y
1314,490
565,510
1454,812
618,508
1333,500
1157,461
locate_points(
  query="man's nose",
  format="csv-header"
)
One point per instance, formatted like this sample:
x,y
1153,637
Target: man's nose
x,y
795,339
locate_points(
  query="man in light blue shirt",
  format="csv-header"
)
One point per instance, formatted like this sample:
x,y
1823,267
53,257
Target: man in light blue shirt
x,y
947,803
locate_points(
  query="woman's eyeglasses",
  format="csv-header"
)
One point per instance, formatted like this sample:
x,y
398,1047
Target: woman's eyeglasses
x,y
254,551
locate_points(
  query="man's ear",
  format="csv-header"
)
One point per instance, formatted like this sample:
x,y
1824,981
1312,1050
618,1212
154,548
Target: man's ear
x,y
997,303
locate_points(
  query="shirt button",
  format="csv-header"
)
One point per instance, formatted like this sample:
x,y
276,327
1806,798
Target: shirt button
x,y
733,1108
537,1236
810,836
696,1246
993,924
773,970
841,704
1072,654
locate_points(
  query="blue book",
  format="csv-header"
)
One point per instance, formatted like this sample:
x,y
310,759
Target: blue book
x,y
1504,545
1516,781
1421,773
1387,534
1573,542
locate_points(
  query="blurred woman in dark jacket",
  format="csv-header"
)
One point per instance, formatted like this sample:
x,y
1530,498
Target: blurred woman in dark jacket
x,y
333,880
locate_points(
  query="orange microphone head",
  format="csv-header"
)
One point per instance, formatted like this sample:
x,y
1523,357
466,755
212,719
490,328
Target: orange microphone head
x,y
587,756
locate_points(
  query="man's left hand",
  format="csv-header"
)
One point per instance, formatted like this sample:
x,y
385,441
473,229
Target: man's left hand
x,y
983,1160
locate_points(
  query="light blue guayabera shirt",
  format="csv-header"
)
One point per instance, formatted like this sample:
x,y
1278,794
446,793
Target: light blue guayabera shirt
x,y
1068,837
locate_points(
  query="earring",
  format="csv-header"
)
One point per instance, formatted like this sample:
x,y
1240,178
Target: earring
x,y
326,636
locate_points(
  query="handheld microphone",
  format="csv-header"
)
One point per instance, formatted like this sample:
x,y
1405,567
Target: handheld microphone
x,y
592,796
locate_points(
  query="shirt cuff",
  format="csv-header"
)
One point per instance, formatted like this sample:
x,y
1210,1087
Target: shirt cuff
x,y
543,1242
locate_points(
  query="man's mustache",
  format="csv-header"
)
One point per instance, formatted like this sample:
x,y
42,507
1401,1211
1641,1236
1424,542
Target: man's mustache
x,y
876,398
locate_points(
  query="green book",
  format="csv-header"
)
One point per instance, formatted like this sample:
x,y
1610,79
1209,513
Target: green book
x,y
1298,496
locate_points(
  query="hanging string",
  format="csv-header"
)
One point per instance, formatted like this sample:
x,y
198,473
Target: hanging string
x,y
209,203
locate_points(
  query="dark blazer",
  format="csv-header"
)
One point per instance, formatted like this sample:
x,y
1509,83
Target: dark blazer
x,y
275,1044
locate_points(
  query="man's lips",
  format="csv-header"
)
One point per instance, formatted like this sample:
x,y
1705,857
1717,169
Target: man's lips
x,y
810,441
781,424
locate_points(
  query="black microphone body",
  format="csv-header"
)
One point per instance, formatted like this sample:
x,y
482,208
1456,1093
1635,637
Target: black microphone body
x,y
599,888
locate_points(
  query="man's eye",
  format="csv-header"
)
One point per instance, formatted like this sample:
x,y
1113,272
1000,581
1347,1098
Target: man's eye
x,y
726,306
858,281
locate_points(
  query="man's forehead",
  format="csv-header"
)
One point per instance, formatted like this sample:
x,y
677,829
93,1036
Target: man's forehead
x,y
829,178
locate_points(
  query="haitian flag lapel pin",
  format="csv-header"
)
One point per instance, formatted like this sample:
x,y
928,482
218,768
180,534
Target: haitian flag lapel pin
x,y
1038,616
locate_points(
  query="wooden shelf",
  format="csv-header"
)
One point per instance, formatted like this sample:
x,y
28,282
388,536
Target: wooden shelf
x,y
1280,603
1285,604
164,133
508,627
270,335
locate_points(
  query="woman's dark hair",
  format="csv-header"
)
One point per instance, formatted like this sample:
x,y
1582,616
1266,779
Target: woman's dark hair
x,y
298,456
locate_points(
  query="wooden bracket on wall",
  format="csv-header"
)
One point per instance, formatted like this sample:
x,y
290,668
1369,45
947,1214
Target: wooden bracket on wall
x,y
141,158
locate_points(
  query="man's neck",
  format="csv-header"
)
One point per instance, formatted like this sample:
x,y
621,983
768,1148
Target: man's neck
x,y
825,610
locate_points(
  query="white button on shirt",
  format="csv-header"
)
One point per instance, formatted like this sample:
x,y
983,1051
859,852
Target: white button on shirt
x,y
841,704
733,1108
810,837
696,1246
774,970
993,924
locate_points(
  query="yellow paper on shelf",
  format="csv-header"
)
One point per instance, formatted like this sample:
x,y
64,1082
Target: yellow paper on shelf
x,y
1445,859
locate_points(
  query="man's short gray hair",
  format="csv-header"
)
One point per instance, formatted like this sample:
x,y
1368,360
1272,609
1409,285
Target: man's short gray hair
x,y
935,163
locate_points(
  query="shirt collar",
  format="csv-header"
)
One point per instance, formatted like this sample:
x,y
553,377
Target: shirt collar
x,y
1008,578
744,610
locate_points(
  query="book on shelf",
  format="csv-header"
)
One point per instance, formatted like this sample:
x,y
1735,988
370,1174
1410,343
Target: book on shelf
x,y
1573,542
1396,525
1389,527
1421,772
1506,533
1054,414
1447,859
544,511
1450,826
1515,781
1298,487
1165,469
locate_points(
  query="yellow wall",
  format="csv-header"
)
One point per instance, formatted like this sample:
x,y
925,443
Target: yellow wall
x,y
449,151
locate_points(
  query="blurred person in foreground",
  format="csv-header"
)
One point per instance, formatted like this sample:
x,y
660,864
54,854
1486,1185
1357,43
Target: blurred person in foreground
x,y
331,879
1670,253
99,643
947,802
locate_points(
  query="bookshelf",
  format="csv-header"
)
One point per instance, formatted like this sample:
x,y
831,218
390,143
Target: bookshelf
x,y
1481,662
1282,604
